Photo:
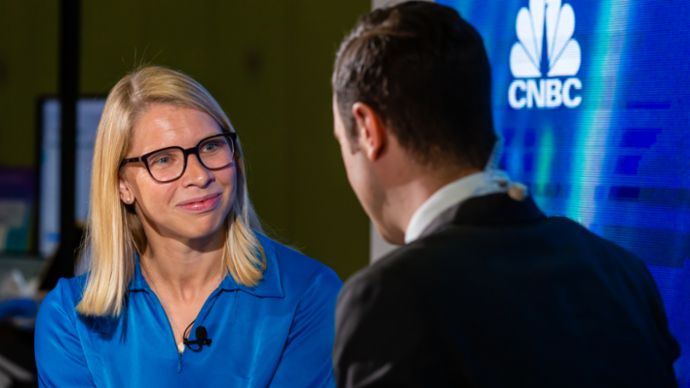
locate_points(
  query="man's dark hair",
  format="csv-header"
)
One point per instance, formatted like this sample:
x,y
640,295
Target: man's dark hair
x,y
424,70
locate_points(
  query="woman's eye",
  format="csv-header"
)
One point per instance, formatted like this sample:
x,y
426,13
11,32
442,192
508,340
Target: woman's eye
x,y
211,146
161,160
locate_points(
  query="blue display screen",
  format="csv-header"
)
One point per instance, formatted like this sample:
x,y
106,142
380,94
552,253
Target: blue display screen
x,y
592,102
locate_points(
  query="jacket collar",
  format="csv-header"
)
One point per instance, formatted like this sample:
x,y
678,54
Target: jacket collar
x,y
488,210
270,285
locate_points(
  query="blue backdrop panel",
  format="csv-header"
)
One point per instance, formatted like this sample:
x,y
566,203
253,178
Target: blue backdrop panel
x,y
592,101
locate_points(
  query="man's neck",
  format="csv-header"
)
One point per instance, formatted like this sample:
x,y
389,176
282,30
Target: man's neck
x,y
404,200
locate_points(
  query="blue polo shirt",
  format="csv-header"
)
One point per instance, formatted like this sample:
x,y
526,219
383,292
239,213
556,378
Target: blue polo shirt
x,y
279,333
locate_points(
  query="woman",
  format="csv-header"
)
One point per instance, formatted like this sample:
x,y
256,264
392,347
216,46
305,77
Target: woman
x,y
182,290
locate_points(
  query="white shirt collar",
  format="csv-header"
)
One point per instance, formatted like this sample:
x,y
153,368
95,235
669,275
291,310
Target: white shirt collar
x,y
480,183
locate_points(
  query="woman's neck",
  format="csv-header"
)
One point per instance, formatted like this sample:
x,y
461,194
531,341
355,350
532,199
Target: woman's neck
x,y
180,271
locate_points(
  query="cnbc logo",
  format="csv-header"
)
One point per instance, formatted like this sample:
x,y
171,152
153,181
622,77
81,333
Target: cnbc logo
x,y
546,58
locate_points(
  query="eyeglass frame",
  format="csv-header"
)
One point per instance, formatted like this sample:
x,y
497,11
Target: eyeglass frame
x,y
232,136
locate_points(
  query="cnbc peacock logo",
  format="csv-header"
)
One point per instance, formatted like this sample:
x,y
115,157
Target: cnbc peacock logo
x,y
546,58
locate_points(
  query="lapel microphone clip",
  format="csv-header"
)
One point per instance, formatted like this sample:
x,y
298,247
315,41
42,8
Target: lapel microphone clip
x,y
196,345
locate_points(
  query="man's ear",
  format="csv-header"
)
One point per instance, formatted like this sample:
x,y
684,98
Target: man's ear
x,y
126,194
372,133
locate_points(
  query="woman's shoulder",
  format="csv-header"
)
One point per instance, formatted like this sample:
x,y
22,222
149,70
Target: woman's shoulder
x,y
67,293
294,268
59,305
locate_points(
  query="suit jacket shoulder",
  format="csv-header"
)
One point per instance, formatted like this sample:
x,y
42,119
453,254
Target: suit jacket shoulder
x,y
498,294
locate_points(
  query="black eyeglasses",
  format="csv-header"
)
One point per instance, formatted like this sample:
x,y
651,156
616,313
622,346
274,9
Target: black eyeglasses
x,y
168,164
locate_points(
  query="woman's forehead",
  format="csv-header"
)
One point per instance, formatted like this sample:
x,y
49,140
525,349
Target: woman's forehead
x,y
166,125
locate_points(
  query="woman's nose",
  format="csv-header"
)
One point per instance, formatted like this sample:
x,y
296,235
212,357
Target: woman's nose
x,y
196,173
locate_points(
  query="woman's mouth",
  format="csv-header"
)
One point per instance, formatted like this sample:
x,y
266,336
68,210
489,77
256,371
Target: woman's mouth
x,y
201,204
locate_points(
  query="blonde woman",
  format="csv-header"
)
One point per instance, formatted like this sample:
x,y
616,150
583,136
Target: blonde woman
x,y
182,289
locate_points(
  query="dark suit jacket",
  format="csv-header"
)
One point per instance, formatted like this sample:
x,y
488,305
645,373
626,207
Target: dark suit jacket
x,y
495,294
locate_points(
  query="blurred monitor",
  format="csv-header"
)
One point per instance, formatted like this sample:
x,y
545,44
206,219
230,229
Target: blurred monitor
x,y
88,115
17,211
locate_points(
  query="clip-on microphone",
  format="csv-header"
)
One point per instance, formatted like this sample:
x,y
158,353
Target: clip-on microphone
x,y
196,345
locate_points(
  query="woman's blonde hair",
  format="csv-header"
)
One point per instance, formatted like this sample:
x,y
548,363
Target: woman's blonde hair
x,y
115,233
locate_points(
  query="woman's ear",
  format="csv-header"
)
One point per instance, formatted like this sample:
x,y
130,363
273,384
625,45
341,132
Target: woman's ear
x,y
126,194
371,130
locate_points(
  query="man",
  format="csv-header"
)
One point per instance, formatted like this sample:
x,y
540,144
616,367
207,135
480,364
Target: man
x,y
487,291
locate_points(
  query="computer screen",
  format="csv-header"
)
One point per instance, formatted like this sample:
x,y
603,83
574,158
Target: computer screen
x,y
592,102
17,211
88,115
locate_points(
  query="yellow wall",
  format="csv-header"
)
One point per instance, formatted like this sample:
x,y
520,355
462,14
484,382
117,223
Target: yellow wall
x,y
267,63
